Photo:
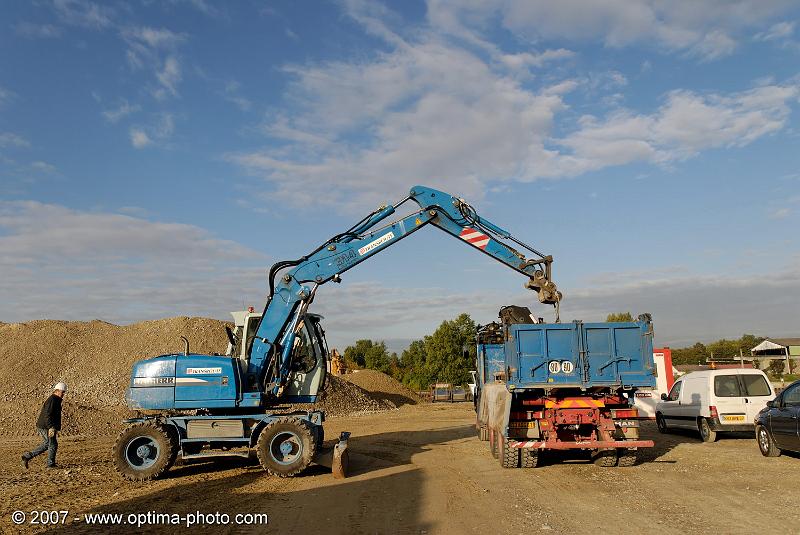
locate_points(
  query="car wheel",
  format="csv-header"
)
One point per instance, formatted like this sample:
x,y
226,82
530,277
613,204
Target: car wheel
x,y
765,442
705,431
661,423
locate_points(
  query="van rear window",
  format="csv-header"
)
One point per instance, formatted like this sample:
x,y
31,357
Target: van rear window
x,y
755,385
726,386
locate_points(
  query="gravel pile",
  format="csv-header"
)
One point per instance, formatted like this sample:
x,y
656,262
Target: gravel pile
x,y
381,386
94,358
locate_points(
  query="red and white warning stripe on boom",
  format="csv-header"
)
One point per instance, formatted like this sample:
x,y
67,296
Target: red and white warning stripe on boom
x,y
475,237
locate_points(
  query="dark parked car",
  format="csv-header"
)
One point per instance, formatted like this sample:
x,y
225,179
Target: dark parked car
x,y
777,424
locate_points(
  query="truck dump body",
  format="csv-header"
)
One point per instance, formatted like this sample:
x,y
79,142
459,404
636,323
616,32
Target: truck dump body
x,y
563,386
580,355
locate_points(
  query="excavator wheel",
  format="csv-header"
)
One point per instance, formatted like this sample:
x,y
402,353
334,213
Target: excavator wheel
x,y
143,451
286,447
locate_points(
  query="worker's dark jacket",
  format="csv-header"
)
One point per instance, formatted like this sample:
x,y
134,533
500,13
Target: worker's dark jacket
x,y
50,415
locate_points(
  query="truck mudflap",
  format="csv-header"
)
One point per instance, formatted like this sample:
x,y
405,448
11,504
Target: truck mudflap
x,y
590,444
336,458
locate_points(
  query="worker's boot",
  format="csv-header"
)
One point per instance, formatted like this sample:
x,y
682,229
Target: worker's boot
x,y
25,460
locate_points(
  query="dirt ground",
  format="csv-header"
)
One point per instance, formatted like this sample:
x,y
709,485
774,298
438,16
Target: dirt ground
x,y
421,469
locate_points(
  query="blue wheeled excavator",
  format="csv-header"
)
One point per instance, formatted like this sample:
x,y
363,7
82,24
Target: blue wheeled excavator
x,y
211,405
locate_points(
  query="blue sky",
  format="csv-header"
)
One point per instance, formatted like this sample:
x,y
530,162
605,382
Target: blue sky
x,y
157,157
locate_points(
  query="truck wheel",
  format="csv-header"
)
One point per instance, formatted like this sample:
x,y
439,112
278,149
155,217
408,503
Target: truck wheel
x,y
143,451
605,458
627,457
483,433
286,447
765,442
509,457
493,437
529,457
705,431
661,423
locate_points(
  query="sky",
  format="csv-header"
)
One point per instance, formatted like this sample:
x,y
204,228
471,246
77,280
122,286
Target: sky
x,y
157,157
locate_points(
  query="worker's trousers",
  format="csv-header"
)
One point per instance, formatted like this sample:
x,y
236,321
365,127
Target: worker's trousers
x,y
49,444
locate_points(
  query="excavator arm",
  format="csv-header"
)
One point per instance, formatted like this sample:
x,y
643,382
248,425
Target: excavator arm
x,y
292,293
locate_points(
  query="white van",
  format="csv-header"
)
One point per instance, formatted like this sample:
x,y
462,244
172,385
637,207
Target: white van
x,y
715,400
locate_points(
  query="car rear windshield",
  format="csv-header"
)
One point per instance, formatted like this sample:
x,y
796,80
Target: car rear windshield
x,y
755,385
726,386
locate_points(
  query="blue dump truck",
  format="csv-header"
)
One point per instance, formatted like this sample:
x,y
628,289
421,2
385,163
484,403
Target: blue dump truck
x,y
562,386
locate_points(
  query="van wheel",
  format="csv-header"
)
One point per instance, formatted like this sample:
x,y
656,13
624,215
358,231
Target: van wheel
x,y
765,442
661,423
705,431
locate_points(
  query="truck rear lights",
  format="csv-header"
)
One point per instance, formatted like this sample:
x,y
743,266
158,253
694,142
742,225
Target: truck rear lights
x,y
625,413
713,410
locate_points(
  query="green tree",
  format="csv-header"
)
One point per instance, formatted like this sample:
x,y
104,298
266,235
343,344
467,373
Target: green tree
x,y
619,316
446,359
377,357
357,354
413,362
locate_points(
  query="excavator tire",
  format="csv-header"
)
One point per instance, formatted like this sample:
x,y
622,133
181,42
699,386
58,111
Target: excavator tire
x,y
143,451
286,446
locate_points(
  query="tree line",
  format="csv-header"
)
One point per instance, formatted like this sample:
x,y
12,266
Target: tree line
x,y
447,355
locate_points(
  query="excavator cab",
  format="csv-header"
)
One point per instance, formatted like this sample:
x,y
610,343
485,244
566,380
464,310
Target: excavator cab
x,y
309,367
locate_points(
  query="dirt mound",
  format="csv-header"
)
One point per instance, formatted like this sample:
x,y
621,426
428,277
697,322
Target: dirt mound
x,y
94,358
342,398
381,386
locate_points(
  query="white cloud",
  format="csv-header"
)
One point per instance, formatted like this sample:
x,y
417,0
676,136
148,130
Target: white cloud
x,y
38,31
139,138
156,49
6,96
706,28
160,131
779,213
84,13
9,139
776,32
687,308
433,111
44,167
231,94
122,111
686,124
71,264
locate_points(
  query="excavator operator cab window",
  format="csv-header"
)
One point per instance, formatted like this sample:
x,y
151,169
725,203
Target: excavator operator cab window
x,y
306,349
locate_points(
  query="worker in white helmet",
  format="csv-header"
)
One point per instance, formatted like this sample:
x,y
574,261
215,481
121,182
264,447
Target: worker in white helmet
x,y
48,425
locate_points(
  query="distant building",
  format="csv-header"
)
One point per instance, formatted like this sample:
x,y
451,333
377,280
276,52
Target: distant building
x,y
785,349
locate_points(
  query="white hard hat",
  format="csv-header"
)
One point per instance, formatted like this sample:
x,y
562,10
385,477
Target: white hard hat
x,y
60,386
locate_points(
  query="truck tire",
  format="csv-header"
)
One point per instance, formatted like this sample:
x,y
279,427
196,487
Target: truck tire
x,y
483,433
766,444
509,457
143,451
529,457
627,457
661,423
605,458
705,430
286,446
493,447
